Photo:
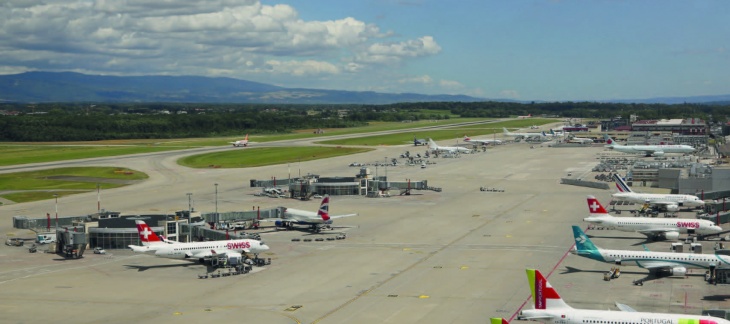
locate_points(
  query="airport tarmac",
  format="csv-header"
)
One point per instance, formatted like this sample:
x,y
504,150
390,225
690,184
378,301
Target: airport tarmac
x,y
456,256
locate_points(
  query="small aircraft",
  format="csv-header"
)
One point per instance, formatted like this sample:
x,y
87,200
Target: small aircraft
x,y
316,221
651,227
419,141
548,307
194,251
674,263
449,149
481,141
240,143
647,150
669,202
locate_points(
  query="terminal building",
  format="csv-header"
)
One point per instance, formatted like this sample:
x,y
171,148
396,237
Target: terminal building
x,y
690,131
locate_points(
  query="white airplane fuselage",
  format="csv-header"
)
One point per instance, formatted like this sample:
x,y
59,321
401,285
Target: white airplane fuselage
x,y
658,225
652,260
583,316
674,199
197,250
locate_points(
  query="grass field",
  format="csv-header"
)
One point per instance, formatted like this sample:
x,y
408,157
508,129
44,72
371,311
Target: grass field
x,y
39,185
36,153
253,157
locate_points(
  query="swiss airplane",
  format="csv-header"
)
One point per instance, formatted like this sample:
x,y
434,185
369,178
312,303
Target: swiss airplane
x,y
449,149
648,150
194,251
674,263
316,221
481,141
668,228
548,307
239,143
670,202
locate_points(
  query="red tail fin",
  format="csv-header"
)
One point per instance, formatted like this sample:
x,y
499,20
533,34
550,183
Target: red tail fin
x,y
595,207
246,139
324,208
146,235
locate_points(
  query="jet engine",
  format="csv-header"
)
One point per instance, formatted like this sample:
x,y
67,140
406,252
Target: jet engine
x,y
678,271
672,236
658,153
672,208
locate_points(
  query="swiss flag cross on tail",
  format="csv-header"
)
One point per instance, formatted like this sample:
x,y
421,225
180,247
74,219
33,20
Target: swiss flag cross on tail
x,y
595,207
146,235
324,208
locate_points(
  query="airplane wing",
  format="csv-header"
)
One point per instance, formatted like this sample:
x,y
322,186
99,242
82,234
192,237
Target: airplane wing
x,y
624,308
656,265
341,216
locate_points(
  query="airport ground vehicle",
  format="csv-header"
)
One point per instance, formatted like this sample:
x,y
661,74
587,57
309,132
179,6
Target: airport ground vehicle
x,y
45,238
98,250
15,242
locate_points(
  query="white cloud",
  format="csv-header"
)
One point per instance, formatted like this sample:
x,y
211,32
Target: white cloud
x,y
512,94
236,38
424,79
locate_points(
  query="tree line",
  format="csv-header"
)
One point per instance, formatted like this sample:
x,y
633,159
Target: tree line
x,y
88,122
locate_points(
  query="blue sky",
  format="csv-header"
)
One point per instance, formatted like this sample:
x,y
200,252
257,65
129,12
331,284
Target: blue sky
x,y
526,50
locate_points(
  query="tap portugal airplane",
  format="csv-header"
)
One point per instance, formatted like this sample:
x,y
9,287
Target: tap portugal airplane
x,y
548,307
194,251
655,228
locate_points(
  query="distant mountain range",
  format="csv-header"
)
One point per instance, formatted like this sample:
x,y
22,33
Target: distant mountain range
x,y
38,87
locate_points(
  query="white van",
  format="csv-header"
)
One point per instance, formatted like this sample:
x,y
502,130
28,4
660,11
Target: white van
x,y
46,238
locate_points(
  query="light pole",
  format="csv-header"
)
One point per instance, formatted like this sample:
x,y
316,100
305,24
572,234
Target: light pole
x,y
190,212
216,202
56,196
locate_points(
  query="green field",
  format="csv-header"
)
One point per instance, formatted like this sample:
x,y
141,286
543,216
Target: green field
x,y
39,185
35,153
253,157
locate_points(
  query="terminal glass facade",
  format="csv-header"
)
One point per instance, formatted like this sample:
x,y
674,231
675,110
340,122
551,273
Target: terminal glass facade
x,y
115,238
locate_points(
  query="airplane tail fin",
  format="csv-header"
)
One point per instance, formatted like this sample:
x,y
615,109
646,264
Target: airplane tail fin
x,y
466,138
324,208
610,142
498,320
583,244
146,235
552,132
246,139
621,184
544,295
595,208
431,144
504,130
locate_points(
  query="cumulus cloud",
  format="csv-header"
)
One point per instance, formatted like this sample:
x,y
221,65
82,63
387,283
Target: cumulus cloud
x,y
237,38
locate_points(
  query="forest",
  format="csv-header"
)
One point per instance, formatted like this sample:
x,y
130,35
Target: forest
x,y
101,121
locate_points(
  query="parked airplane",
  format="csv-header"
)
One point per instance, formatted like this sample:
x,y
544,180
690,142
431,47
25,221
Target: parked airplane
x,y
655,228
243,142
523,117
675,264
523,135
481,141
549,307
670,202
648,150
580,140
194,251
316,221
419,141
448,149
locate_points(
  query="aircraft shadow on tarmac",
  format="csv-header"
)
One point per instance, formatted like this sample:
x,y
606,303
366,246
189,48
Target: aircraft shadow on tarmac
x,y
164,266
653,275
718,298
